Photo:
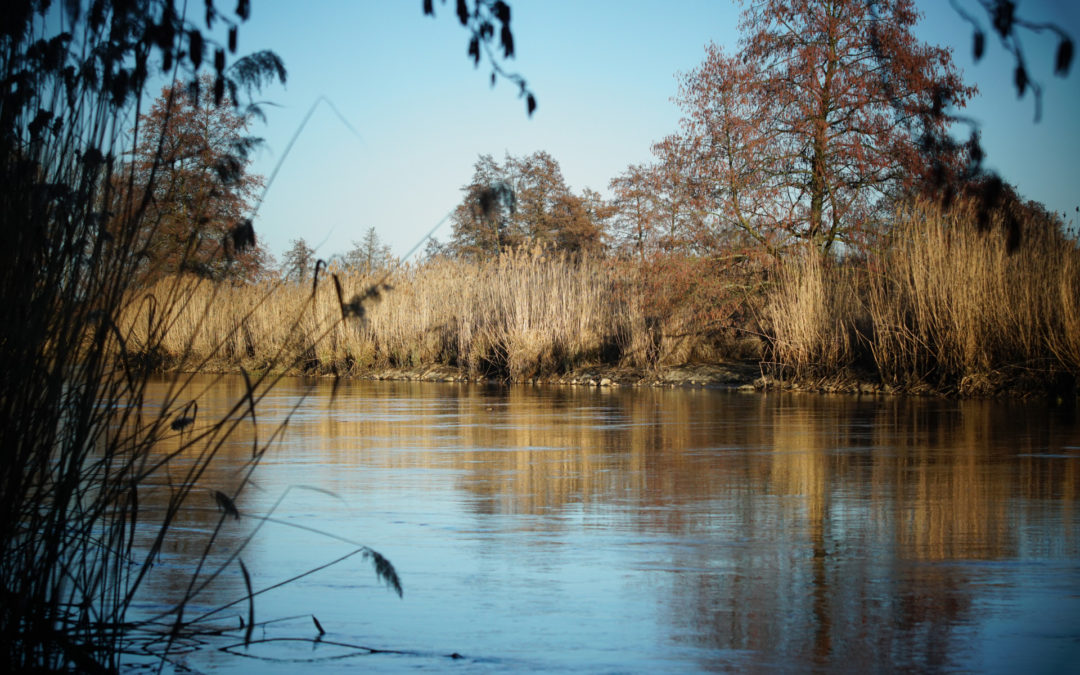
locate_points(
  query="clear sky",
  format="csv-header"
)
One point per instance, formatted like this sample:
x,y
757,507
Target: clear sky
x,y
603,71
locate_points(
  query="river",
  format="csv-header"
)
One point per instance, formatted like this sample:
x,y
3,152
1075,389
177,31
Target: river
x,y
635,530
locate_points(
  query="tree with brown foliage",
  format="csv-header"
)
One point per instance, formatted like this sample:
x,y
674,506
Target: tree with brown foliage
x,y
633,220
191,161
658,206
525,201
807,130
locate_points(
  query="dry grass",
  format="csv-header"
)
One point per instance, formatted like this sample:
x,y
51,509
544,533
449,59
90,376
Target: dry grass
x,y
948,304
522,315
813,316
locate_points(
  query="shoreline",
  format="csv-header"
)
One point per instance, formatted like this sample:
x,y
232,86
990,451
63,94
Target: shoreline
x,y
745,376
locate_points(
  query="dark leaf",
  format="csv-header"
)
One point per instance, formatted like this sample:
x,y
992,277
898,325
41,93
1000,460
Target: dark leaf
x,y
195,48
120,87
73,9
232,40
318,625
162,34
975,149
210,14
219,61
181,423
1004,15
530,104
184,420
507,41
243,9
501,10
1021,79
429,10
463,12
219,93
243,237
97,15
1064,57
40,122
226,504
939,98
251,604
474,50
979,44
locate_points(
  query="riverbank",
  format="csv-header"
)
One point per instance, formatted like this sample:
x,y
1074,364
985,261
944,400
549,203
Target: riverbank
x,y
945,307
735,375
749,376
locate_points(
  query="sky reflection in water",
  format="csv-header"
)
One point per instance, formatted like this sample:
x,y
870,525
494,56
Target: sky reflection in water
x,y
631,530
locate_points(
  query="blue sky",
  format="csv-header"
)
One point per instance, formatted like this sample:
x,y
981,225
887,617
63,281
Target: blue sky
x,y
603,72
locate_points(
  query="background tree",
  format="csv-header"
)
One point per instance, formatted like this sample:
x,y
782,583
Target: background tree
x,y
587,231
298,263
816,120
191,166
680,219
657,206
481,223
369,255
633,219
525,201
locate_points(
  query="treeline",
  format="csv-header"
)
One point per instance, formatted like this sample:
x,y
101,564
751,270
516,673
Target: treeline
x,y
812,211
947,307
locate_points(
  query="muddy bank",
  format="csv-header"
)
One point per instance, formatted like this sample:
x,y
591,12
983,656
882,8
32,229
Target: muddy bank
x,y
753,376
740,375
747,375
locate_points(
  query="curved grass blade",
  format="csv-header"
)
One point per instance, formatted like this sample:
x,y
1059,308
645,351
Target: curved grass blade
x,y
251,604
226,504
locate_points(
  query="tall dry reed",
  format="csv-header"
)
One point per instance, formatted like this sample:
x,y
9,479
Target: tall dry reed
x,y
814,316
82,447
947,304
524,314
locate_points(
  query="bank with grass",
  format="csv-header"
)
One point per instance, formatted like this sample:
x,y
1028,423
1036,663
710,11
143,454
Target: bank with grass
x,y
946,305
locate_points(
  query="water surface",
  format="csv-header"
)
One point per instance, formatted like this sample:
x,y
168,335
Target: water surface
x,y
634,530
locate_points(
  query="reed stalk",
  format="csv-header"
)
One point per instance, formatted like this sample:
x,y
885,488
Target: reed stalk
x,y
84,450
947,304
527,313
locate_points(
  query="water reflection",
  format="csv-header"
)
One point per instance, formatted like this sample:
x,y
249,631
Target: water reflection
x,y
769,531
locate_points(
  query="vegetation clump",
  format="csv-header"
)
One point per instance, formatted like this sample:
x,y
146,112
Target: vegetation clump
x,y
811,214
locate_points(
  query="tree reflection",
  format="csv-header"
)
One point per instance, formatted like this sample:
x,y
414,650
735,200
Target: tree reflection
x,y
833,531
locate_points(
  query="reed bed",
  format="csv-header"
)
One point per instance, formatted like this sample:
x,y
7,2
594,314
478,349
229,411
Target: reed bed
x,y
814,317
947,304
525,314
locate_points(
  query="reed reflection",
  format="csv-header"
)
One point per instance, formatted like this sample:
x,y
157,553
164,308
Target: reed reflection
x,y
819,529
201,534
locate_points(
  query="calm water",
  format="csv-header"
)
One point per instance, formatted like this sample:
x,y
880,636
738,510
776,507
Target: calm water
x,y
625,530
